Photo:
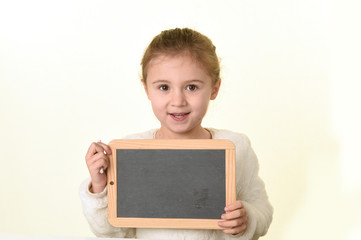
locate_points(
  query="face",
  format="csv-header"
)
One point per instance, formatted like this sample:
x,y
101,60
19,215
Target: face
x,y
179,90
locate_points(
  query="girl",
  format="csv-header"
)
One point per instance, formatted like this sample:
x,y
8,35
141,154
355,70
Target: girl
x,y
180,75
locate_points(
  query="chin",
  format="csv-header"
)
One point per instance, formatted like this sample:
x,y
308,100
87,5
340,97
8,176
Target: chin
x,y
183,131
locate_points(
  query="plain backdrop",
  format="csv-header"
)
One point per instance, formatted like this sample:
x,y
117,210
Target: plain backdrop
x,y
69,75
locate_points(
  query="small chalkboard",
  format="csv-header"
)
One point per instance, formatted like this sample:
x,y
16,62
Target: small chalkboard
x,y
170,183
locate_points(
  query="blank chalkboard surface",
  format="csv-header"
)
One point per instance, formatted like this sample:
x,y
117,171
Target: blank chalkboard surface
x,y
170,183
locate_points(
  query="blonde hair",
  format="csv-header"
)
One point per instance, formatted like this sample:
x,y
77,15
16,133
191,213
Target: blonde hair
x,y
183,40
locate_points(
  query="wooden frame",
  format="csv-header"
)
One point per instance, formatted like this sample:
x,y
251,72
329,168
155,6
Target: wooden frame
x,y
209,144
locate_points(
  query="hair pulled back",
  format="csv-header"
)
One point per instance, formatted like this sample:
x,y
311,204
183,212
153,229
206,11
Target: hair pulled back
x,y
183,40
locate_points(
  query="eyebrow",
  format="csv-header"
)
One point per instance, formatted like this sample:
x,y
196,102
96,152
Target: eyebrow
x,y
188,81
159,81
195,80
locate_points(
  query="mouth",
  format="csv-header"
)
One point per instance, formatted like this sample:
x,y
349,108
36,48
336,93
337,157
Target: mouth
x,y
179,116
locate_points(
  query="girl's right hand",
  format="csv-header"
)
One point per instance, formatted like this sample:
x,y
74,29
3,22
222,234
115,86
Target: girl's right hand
x,y
96,158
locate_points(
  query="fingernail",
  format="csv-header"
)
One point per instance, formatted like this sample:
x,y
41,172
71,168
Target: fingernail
x,y
222,216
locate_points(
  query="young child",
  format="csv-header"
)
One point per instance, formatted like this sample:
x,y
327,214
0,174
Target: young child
x,y
181,74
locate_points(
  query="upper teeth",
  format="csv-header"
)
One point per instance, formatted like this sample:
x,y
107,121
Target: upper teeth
x,y
178,115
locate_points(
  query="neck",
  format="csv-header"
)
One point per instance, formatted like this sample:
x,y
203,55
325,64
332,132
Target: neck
x,y
200,133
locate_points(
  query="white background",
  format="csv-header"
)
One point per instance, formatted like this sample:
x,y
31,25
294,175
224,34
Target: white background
x,y
69,75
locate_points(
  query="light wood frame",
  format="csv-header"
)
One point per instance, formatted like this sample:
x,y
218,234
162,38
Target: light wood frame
x,y
226,145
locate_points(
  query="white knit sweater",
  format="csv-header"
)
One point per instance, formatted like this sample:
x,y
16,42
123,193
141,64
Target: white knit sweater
x,y
250,190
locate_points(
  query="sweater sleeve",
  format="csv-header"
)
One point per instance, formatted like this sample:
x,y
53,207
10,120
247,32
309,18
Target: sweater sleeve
x,y
95,209
251,191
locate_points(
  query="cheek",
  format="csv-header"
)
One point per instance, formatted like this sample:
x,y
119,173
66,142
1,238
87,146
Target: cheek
x,y
157,105
202,104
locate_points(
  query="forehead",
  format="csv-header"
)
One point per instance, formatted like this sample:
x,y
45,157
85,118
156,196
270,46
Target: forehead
x,y
175,66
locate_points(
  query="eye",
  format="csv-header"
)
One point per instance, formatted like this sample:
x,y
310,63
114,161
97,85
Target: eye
x,y
163,87
192,87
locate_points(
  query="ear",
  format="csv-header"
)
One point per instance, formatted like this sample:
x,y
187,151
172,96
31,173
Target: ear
x,y
215,89
145,88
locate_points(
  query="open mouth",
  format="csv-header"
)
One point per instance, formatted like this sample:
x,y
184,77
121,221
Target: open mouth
x,y
179,116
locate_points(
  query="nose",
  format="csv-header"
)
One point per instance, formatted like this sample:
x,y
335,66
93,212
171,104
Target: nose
x,y
178,99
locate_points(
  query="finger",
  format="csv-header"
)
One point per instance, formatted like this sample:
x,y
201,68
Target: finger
x,y
91,150
238,213
236,230
95,156
233,206
98,157
231,223
95,166
95,147
100,164
106,148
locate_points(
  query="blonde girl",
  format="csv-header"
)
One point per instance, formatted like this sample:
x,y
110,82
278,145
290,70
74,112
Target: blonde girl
x,y
180,75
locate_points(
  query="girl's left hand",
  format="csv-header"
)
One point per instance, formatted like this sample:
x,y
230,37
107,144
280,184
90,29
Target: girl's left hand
x,y
235,218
